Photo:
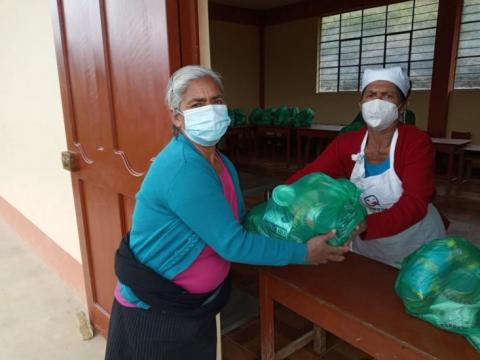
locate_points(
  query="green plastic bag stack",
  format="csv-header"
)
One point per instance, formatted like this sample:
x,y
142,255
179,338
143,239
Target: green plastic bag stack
x,y
313,205
304,118
282,116
270,116
285,116
440,283
256,117
237,117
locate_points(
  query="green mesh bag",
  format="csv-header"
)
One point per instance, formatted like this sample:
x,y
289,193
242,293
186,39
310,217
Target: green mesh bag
x,y
440,283
313,205
256,116
304,118
285,116
269,116
237,117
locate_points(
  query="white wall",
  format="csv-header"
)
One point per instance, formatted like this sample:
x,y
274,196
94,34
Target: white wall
x,y
32,133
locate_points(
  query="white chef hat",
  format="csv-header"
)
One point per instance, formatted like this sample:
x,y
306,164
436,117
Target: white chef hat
x,y
393,74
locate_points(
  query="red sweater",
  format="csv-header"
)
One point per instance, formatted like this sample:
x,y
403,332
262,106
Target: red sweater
x,y
414,165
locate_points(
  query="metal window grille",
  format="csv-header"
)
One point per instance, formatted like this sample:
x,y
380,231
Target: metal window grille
x,y
401,34
467,74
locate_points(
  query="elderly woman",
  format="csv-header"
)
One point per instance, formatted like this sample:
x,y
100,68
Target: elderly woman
x,y
393,163
173,268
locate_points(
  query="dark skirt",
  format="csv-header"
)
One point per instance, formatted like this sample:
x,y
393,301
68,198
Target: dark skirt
x,y
137,334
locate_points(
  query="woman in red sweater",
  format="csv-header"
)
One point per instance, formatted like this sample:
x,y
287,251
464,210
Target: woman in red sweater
x,y
393,164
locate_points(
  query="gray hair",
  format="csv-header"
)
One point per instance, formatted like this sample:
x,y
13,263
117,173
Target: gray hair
x,y
180,79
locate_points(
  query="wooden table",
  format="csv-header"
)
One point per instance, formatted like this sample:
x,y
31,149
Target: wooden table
x,y
450,147
355,300
283,131
240,134
320,131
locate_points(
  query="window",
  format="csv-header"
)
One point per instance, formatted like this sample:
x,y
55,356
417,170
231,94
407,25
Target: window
x,y
401,34
468,55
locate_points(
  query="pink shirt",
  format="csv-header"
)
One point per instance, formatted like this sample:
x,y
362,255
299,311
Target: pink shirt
x,y
209,269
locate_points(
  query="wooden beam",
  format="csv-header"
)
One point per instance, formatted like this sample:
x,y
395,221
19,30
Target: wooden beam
x,y
261,72
444,63
313,8
220,12
189,38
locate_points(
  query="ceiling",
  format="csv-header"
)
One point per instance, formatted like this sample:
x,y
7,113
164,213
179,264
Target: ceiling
x,y
256,4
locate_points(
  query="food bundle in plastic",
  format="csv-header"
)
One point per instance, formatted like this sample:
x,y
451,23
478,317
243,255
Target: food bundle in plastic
x,y
313,205
282,116
237,117
440,283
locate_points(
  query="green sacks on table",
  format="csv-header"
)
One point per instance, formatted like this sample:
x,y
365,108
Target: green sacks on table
x,y
237,117
285,116
304,118
313,205
282,116
256,117
440,283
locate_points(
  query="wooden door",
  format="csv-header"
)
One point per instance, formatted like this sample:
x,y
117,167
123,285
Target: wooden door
x,y
114,59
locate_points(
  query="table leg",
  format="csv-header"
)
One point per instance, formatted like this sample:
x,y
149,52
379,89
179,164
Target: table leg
x,y
319,340
461,164
307,149
267,330
450,172
299,148
289,140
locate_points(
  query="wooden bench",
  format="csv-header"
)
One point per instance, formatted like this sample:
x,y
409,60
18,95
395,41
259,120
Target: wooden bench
x,y
354,300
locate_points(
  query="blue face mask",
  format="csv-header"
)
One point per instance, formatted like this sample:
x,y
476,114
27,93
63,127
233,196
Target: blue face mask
x,y
207,124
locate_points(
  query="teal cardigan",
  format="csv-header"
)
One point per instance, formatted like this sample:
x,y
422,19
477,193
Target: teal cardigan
x,y
181,207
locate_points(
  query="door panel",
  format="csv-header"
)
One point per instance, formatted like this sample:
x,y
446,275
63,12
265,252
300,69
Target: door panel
x,y
103,233
114,59
89,91
140,70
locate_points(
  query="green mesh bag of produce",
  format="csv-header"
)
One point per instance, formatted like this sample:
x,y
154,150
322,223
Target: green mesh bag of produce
x,y
313,205
256,116
440,283
269,116
285,116
237,117
304,118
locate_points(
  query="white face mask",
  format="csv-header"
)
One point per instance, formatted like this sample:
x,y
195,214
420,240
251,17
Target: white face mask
x,y
207,124
379,114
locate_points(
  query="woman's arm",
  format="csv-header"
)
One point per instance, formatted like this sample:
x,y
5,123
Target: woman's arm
x,y
197,198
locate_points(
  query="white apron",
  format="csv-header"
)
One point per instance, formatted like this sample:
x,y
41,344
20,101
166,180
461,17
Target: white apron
x,y
381,192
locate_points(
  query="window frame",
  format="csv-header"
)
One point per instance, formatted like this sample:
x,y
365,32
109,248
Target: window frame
x,y
460,57
361,38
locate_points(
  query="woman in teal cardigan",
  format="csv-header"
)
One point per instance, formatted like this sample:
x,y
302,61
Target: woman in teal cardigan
x,y
186,229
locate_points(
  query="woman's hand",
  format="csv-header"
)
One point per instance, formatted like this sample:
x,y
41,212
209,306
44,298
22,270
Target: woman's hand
x,y
319,252
360,228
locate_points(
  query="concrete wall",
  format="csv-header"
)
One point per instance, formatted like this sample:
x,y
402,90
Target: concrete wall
x,y
32,133
235,54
